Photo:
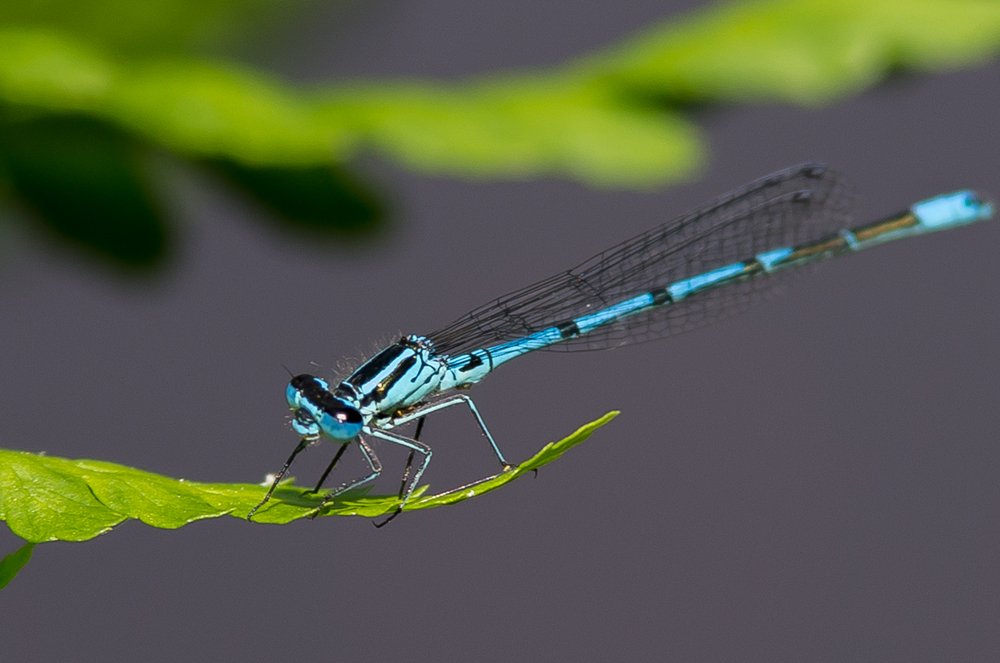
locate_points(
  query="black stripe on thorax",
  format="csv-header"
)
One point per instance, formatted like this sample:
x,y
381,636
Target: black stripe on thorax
x,y
379,392
474,361
346,391
378,363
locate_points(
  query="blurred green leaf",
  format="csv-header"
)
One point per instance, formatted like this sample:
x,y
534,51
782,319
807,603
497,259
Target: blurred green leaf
x,y
84,180
195,107
214,110
320,199
521,127
799,51
49,72
600,118
49,499
609,119
147,26
14,562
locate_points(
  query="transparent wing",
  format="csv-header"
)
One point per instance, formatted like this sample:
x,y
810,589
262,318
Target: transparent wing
x,y
787,208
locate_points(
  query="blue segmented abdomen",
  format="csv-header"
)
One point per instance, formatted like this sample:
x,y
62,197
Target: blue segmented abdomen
x,y
788,208
939,213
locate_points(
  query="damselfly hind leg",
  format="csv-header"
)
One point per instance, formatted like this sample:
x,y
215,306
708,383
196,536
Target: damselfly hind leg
x,y
409,460
406,476
457,399
413,445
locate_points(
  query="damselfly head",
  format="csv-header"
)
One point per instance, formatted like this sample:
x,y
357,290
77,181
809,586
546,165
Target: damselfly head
x,y
304,424
340,421
303,388
317,411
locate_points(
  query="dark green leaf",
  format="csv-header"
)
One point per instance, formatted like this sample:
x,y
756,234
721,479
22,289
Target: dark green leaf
x,y
14,562
320,199
83,179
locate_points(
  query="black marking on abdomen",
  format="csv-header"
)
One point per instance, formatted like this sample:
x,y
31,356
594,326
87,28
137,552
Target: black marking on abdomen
x,y
473,362
568,329
661,296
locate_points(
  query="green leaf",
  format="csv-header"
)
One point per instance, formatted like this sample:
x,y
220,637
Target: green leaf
x,y
50,72
48,499
44,499
548,453
193,106
800,51
322,199
604,118
521,127
220,110
84,180
14,562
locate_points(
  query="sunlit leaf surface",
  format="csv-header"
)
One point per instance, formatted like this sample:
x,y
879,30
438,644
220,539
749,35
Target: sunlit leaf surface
x,y
48,499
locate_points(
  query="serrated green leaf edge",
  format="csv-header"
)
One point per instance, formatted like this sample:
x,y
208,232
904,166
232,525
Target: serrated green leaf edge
x,y
44,498
14,562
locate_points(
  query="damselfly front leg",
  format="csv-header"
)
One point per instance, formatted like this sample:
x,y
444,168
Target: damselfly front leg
x,y
373,462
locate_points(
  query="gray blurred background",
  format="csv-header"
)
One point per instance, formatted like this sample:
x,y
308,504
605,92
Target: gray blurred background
x,y
814,480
